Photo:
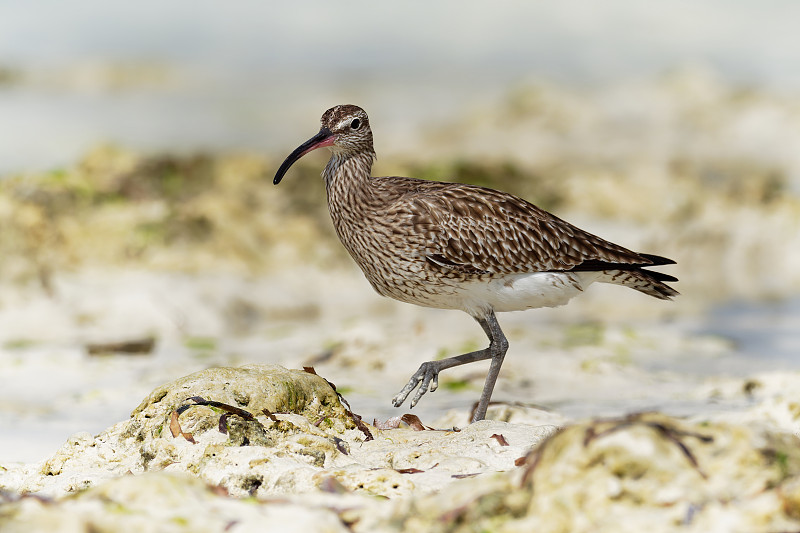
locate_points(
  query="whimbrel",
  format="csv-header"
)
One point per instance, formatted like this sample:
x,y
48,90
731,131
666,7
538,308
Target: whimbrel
x,y
458,246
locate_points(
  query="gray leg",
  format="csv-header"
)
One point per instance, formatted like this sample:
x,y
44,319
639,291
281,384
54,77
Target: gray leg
x,y
498,345
427,377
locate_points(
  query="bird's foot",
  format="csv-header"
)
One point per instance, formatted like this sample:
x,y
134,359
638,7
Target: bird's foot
x,y
427,377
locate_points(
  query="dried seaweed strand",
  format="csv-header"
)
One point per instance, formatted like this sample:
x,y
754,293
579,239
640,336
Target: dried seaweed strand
x,y
671,434
224,406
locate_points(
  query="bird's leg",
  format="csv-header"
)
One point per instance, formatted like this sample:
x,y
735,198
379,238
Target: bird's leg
x,y
427,377
498,345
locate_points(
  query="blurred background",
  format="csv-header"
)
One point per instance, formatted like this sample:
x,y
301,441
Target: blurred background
x,y
141,238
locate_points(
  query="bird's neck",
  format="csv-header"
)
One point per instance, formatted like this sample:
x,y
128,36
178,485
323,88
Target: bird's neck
x,y
348,170
349,188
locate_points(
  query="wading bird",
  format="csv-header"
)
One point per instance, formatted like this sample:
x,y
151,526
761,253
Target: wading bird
x,y
457,246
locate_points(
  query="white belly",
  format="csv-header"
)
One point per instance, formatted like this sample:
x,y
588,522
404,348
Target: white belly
x,y
518,292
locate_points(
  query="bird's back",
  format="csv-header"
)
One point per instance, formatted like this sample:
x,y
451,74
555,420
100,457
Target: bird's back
x,y
423,241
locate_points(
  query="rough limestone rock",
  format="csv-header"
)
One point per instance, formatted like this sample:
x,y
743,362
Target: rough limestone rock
x,y
769,399
286,419
645,472
262,448
264,431
158,502
662,474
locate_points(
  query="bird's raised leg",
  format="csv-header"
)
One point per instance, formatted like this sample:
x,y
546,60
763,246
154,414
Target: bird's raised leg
x,y
427,376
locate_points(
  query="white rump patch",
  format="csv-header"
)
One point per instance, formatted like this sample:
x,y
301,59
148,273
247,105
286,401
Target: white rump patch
x,y
517,292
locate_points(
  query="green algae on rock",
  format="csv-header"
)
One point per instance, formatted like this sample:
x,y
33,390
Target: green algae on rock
x,y
256,388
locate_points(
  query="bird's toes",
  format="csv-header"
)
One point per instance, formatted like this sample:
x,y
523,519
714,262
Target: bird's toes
x,y
417,397
401,396
427,377
430,380
434,382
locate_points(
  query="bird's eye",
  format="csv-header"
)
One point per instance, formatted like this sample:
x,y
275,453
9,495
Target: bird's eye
x,y
355,124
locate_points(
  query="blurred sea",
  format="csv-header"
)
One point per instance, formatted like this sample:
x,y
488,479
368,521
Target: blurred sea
x,y
189,74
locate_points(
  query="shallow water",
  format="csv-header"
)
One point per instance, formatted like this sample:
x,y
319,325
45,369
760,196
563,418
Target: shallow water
x,y
765,333
755,337
762,336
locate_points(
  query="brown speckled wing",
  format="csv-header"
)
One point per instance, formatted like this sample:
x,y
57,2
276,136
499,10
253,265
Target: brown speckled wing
x,y
477,230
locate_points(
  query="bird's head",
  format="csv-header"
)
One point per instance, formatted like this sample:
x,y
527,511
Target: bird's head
x,y
344,129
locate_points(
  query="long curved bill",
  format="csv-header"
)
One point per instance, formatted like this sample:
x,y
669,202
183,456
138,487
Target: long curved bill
x,y
323,138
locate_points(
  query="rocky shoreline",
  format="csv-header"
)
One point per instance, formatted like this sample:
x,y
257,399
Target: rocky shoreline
x,y
263,448
192,277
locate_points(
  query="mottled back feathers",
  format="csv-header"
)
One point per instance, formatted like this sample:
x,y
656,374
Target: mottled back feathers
x,y
477,230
